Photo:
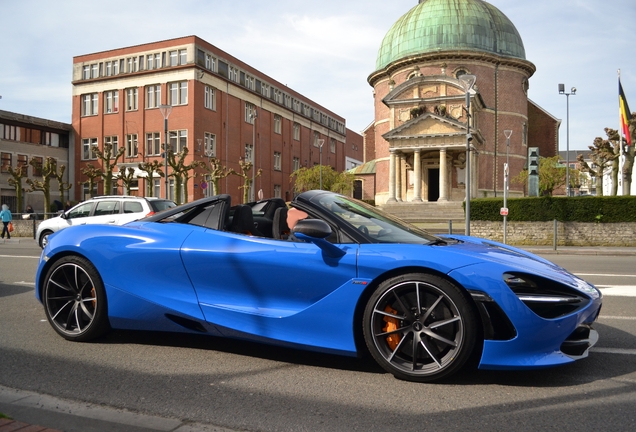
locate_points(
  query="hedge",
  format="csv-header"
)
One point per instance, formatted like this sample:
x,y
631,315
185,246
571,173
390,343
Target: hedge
x,y
608,209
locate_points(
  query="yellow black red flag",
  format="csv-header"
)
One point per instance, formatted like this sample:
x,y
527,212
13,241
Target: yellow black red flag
x,y
625,114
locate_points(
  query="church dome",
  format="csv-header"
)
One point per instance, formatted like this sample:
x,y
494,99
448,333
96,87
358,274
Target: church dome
x,y
450,25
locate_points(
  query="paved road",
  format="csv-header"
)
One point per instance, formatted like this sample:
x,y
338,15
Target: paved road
x,y
146,381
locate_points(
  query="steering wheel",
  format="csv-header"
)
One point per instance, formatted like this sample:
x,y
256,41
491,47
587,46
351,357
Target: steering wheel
x,y
363,229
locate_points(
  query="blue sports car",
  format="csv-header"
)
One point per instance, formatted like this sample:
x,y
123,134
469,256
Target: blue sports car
x,y
326,273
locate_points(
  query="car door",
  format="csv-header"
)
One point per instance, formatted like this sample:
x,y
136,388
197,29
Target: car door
x,y
105,212
267,287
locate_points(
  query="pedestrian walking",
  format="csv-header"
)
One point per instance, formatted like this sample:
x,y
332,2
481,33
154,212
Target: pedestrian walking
x,y
5,217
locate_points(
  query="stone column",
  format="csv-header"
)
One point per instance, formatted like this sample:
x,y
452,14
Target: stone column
x,y
417,171
398,176
392,177
443,176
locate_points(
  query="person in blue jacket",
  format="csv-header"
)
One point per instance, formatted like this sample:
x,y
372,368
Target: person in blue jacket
x,y
5,216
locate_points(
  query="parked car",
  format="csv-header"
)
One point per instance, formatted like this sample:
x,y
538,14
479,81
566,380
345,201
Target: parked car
x,y
111,209
334,275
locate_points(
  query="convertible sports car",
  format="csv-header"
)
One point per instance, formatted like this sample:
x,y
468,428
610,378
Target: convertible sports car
x,y
328,273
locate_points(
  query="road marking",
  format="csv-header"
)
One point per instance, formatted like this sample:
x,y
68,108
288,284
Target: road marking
x,y
614,351
606,274
25,283
616,317
19,256
619,291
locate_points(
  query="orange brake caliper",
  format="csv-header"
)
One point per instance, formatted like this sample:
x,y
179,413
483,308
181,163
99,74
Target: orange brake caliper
x,y
391,325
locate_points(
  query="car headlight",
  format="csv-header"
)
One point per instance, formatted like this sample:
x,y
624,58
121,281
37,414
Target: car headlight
x,y
545,297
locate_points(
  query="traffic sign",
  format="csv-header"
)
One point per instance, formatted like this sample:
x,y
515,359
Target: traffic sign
x,y
503,211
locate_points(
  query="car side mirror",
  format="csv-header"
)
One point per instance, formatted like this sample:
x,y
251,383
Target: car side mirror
x,y
314,228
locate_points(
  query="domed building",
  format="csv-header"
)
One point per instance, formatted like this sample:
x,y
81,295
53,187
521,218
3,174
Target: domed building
x,y
416,147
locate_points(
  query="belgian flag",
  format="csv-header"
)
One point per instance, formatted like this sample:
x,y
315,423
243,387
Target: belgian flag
x,y
625,114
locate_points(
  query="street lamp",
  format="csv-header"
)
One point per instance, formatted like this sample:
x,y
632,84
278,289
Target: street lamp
x,y
320,143
467,82
253,118
507,133
165,112
208,153
567,139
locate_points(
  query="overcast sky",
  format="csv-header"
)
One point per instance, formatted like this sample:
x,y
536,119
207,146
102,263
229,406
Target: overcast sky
x,y
323,49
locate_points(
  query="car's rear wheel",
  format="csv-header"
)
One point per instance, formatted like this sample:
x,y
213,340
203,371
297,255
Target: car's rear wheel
x,y
420,327
44,238
75,300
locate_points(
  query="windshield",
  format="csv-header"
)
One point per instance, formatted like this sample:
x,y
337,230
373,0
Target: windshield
x,y
378,225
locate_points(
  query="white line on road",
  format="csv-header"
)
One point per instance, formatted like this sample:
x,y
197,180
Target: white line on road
x,y
606,274
19,256
620,290
609,317
614,351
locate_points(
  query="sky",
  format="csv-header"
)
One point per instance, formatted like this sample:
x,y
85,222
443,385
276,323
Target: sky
x,y
323,49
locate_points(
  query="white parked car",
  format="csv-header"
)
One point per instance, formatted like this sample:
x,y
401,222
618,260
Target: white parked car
x,y
113,209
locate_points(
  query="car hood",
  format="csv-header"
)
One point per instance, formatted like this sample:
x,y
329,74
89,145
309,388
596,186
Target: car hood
x,y
514,258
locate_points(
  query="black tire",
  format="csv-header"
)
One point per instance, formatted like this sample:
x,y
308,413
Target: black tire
x,y
420,327
44,238
75,300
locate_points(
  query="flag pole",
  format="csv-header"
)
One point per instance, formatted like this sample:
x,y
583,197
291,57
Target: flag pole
x,y
621,158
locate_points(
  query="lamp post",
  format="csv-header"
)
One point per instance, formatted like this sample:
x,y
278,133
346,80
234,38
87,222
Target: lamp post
x,y
320,143
165,112
567,134
253,118
208,153
467,82
507,133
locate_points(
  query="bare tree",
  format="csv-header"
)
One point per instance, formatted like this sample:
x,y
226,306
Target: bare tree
x,y
15,180
150,168
48,171
127,177
216,173
246,167
109,161
93,173
601,152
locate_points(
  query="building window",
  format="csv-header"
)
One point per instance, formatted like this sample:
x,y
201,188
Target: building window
x,y
233,74
153,144
183,57
150,62
89,104
86,72
278,96
332,145
114,142
153,96
277,123
38,161
6,162
210,63
178,92
295,164
111,101
210,98
249,154
250,111
210,144
156,185
94,71
277,193
87,148
131,145
524,136
297,131
157,63
277,161
249,82
296,104
316,139
178,140
265,89
173,58
131,99
23,164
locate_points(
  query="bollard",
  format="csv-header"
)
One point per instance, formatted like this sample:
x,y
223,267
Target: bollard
x,y
450,226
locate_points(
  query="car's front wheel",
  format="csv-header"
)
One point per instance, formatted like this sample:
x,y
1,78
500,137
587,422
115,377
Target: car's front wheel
x,y
420,327
75,300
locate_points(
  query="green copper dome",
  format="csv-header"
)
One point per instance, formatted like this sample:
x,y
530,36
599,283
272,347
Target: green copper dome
x,y
443,25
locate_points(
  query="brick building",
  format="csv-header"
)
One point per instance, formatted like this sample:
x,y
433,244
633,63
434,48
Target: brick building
x,y
219,107
417,142
25,138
